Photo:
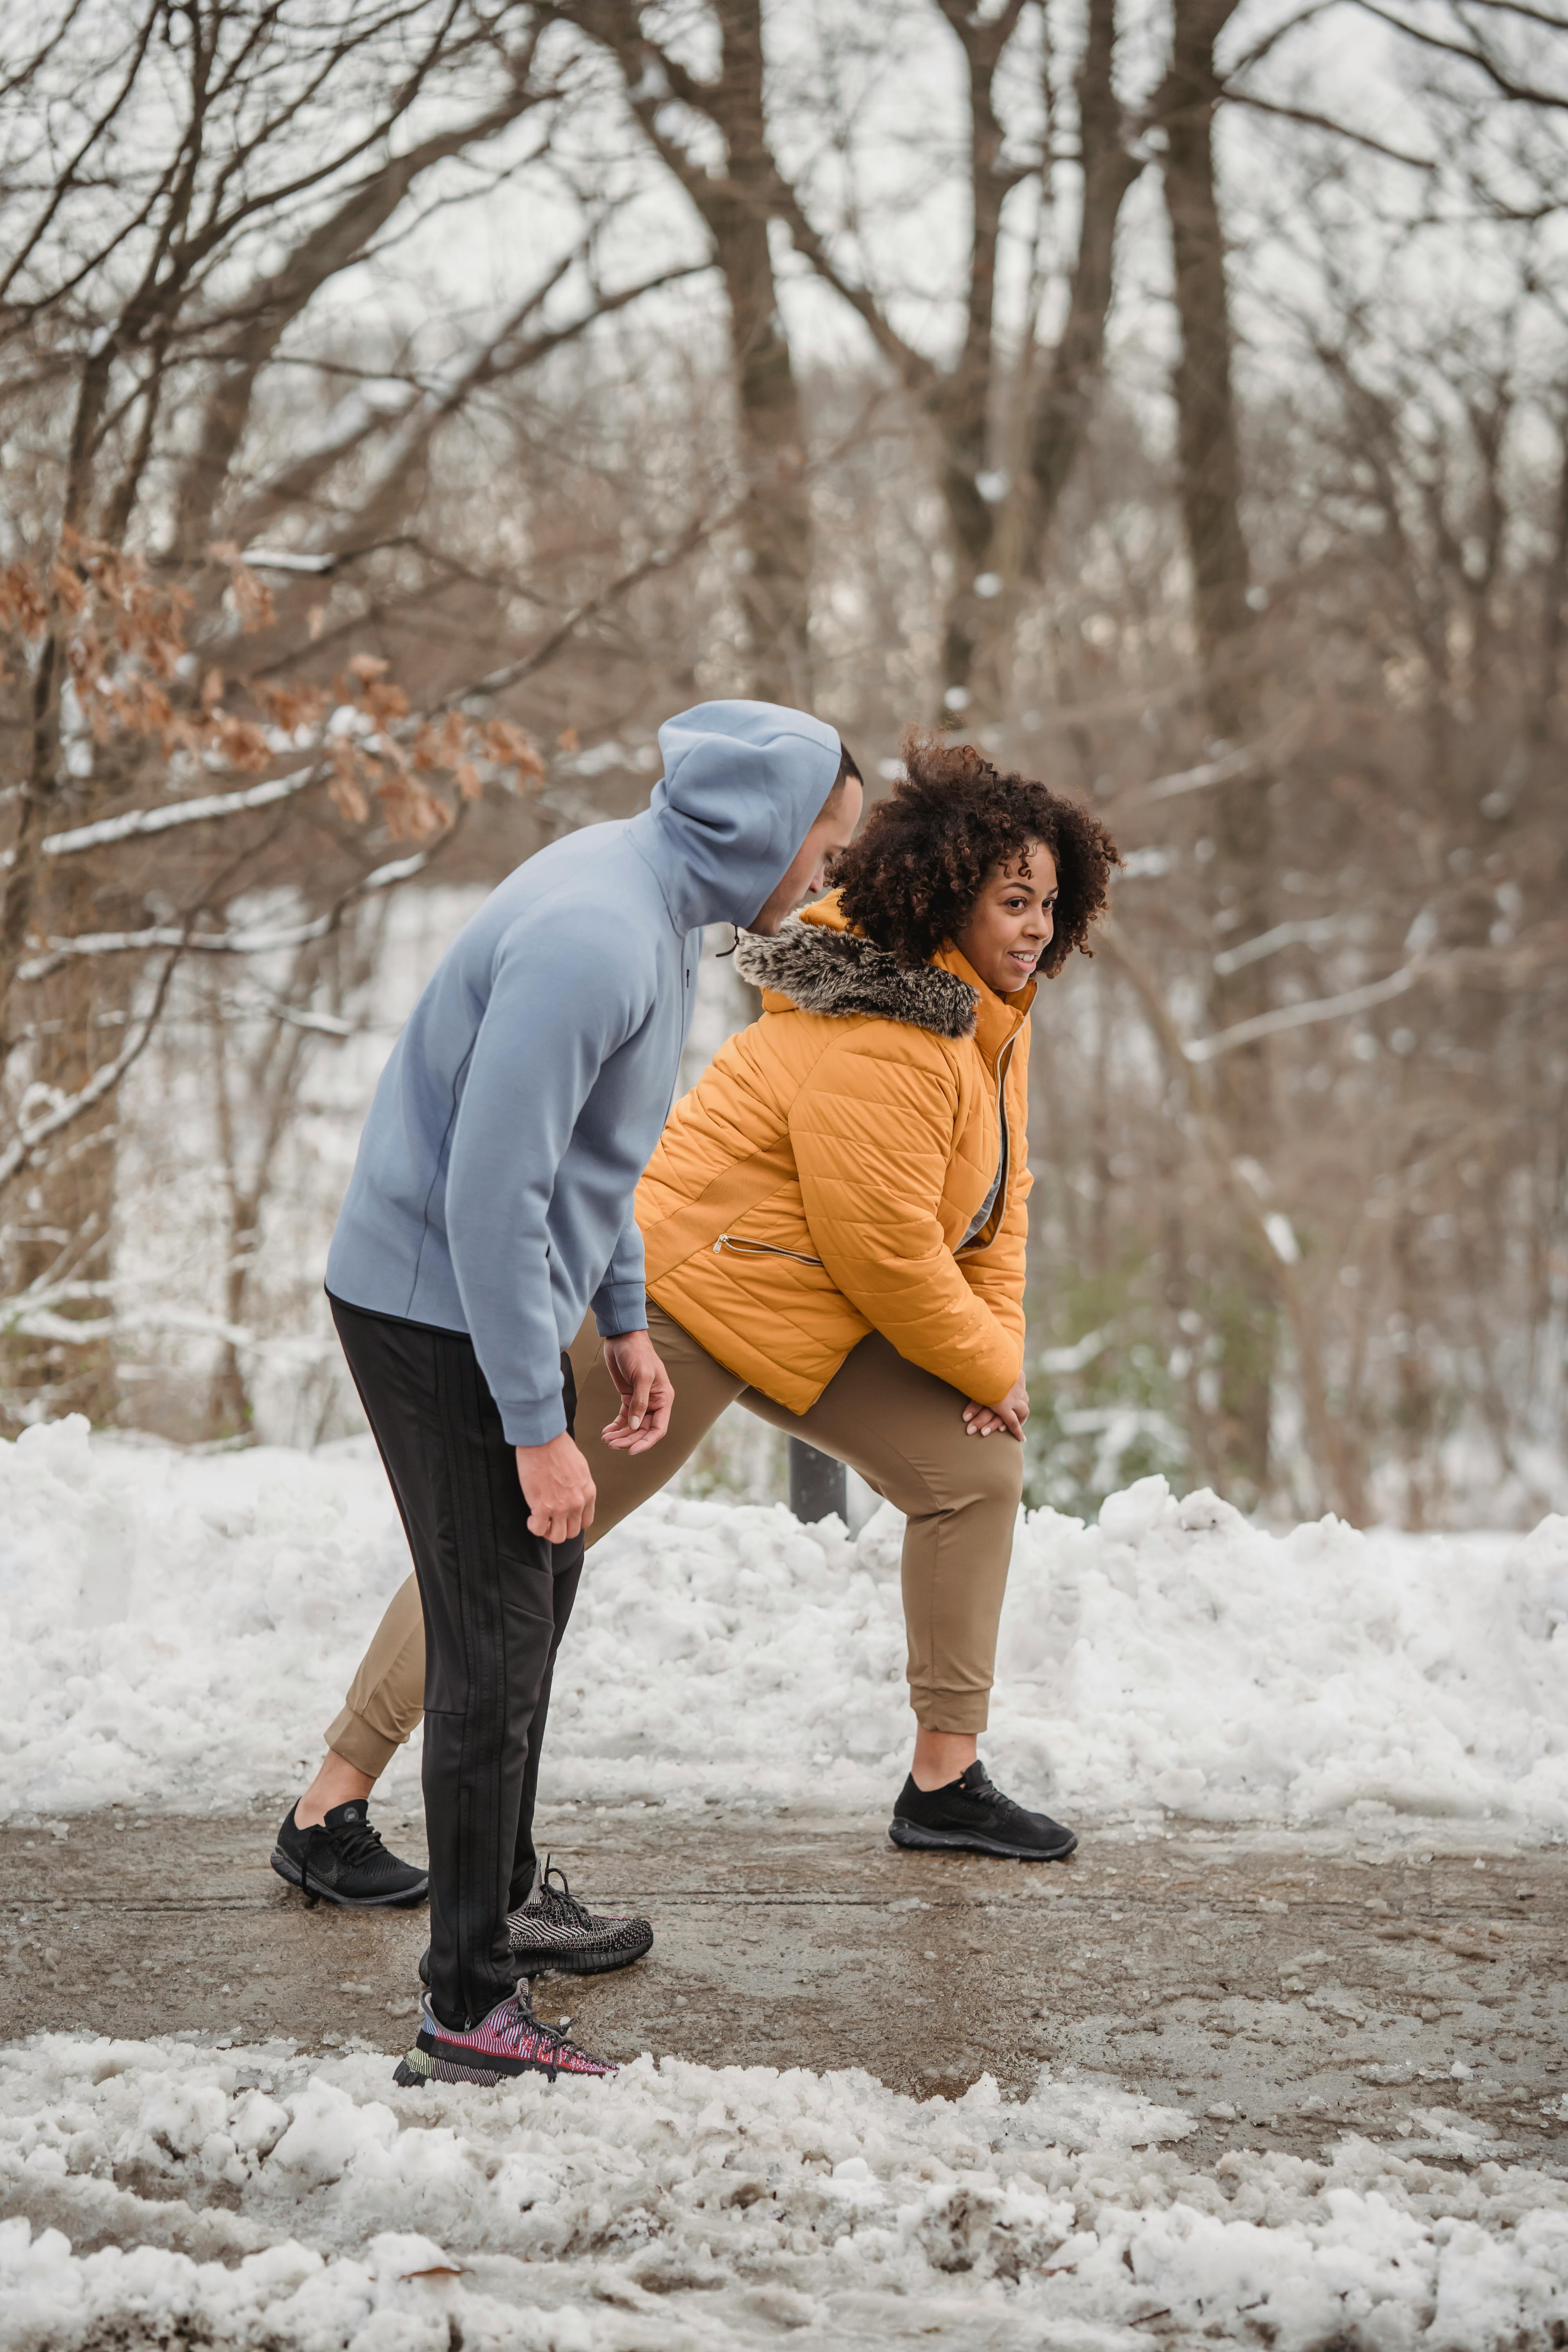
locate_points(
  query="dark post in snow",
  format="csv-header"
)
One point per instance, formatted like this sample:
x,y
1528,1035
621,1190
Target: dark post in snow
x,y
818,1486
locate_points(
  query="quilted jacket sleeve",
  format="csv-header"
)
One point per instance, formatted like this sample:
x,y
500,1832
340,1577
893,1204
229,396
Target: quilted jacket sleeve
x,y
872,1135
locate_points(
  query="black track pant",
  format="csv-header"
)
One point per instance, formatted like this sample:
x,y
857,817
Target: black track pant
x,y
495,1602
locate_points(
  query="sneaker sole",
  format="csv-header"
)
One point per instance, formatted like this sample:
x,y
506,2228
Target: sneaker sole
x,y
909,1835
403,1900
558,1964
416,2071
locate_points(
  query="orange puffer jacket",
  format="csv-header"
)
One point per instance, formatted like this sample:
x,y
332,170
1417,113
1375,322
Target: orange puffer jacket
x,y
820,1179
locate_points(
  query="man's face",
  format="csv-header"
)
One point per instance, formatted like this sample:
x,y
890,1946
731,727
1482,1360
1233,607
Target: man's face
x,y
834,830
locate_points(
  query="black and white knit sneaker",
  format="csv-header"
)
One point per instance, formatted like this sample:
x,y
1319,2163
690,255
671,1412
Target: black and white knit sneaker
x,y
972,1817
555,1935
344,1859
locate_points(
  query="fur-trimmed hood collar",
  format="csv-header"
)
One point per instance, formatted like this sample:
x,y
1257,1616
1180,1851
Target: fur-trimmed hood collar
x,y
824,970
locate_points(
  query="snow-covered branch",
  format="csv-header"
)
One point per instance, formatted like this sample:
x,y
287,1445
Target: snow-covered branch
x,y
1228,770
1304,1016
1229,766
1321,932
262,1005
34,1314
257,942
288,558
134,822
25,1145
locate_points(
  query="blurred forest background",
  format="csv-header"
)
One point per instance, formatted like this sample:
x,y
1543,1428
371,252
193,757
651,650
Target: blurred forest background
x,y
404,404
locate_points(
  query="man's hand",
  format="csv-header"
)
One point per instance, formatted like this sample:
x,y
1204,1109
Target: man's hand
x,y
558,1487
646,1396
985,1420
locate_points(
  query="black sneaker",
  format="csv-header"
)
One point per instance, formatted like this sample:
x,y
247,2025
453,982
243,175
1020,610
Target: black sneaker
x,y
555,1935
975,1817
344,1859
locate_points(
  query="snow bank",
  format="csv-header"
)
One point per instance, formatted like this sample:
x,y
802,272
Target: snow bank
x,y
252,2199
178,1629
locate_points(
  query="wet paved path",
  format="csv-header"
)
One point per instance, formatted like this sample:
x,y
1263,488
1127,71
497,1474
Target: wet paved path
x,y
1284,1990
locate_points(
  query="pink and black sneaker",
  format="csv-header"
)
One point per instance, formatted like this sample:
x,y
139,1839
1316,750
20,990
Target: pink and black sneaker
x,y
510,2041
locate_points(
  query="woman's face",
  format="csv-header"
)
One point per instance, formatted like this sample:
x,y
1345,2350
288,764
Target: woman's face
x,y
1011,922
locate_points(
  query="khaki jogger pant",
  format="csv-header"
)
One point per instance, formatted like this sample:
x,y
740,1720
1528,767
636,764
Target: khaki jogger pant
x,y
901,1428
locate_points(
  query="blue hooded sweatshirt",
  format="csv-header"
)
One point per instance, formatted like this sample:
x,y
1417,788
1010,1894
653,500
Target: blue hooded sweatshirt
x,y
492,1192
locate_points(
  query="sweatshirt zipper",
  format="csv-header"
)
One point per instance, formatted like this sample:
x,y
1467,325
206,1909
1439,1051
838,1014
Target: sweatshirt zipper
x,y
1003,1064
761,1249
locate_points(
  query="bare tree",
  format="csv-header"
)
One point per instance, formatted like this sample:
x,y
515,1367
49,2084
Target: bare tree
x,y
221,173
992,401
1301,1209
681,110
1210,477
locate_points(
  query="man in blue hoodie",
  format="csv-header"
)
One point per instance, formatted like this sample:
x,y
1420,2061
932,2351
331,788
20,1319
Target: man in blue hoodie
x,y
489,1208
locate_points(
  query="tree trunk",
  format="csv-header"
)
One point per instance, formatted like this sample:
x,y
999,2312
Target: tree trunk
x,y
1210,481
775,590
1209,464
1276,1291
1070,382
735,209
59,1221
775,586
1009,538
961,401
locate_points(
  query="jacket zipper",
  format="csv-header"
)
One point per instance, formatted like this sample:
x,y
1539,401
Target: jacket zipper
x,y
761,1249
1003,1064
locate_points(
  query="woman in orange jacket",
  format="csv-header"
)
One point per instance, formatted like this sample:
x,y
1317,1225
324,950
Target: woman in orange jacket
x,y
834,1223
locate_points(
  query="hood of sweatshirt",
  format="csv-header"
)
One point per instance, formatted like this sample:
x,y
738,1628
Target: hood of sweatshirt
x,y
743,783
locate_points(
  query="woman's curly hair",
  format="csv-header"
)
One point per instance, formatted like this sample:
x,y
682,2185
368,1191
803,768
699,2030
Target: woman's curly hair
x,y
911,879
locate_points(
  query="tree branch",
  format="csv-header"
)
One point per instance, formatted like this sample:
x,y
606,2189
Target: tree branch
x,y
1312,122
1306,1017
22,1152
62,951
1520,92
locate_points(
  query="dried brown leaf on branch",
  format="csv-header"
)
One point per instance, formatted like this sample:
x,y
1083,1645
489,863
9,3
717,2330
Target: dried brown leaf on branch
x,y
346,786
23,602
509,747
292,707
442,743
252,597
124,647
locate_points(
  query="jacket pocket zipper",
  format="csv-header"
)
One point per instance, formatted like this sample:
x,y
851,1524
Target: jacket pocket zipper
x,y
999,1209
761,1249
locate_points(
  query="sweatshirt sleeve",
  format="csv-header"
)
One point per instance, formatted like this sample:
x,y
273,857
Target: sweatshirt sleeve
x,y
620,1303
558,1009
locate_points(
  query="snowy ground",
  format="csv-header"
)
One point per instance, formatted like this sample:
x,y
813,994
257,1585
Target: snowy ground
x,y
175,1630
178,1630
285,2203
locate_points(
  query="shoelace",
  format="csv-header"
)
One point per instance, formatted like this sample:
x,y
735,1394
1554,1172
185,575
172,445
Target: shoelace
x,y
558,1900
356,1841
1007,1807
558,2036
